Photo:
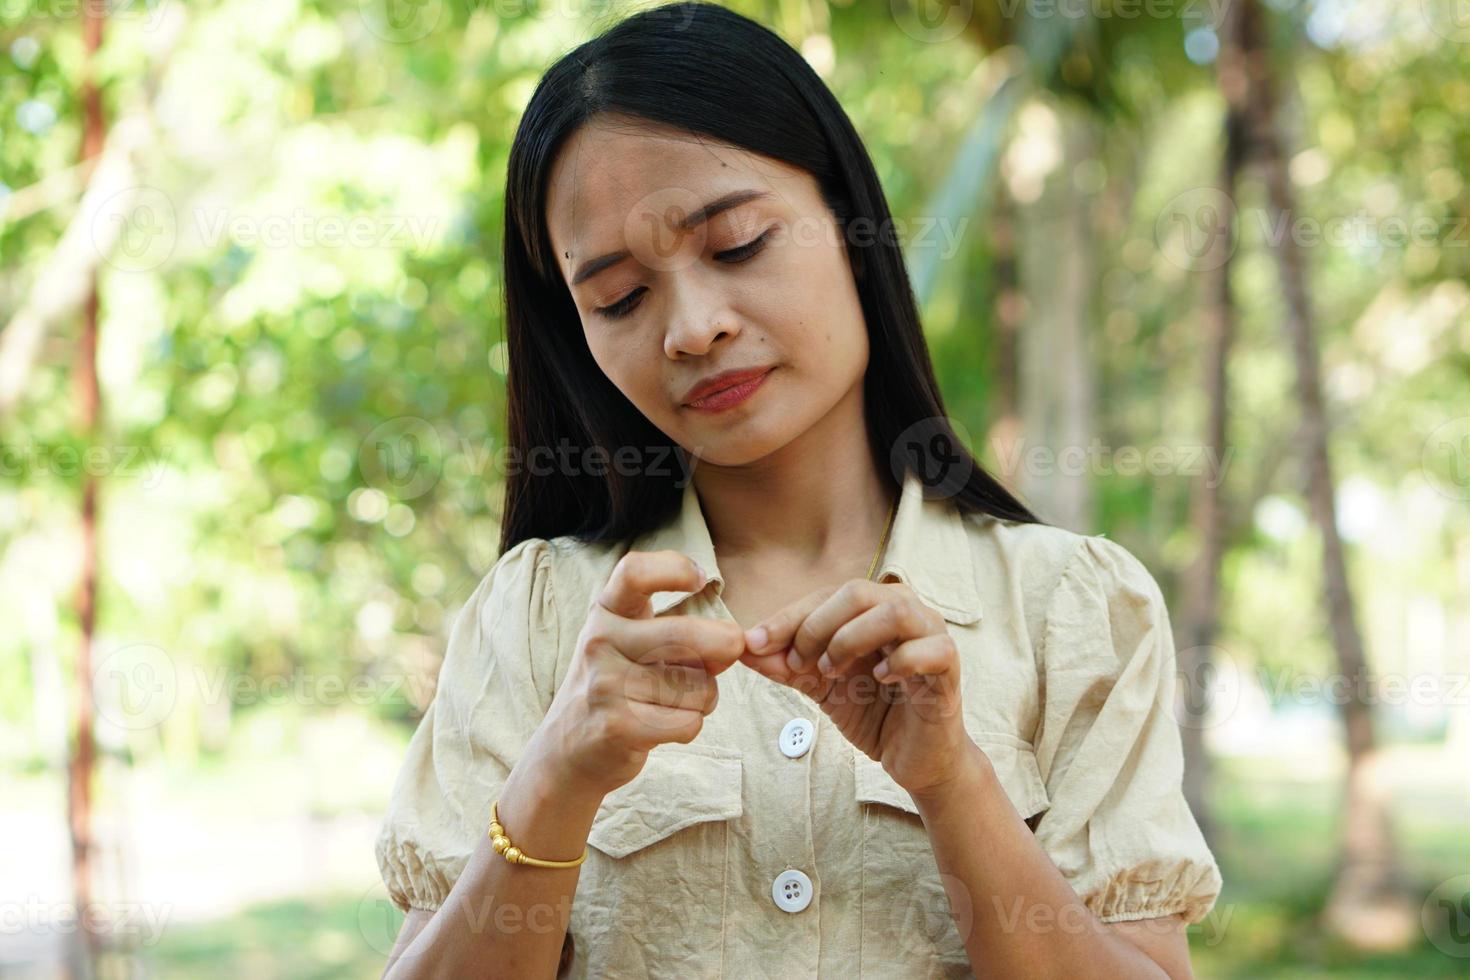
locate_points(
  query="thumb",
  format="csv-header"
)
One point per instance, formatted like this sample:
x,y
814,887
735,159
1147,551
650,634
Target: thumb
x,y
769,665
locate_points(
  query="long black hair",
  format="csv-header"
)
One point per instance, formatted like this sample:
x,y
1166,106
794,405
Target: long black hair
x,y
704,69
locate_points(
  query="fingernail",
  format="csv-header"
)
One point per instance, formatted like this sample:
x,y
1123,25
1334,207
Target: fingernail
x,y
793,659
881,671
824,664
703,575
757,638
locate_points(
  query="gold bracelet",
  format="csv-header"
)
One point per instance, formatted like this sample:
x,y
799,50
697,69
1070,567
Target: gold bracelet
x,y
513,854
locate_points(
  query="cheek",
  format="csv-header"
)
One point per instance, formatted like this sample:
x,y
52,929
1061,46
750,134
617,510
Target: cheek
x,y
630,367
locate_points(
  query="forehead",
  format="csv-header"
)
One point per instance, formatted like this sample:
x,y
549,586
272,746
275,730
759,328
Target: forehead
x,y
614,168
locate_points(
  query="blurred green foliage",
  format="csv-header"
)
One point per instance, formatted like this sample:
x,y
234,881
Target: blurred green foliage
x,y
307,288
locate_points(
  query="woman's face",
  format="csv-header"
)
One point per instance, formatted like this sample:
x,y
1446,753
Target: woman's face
x,y
758,281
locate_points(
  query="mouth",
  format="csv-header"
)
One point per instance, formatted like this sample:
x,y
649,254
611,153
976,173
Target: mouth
x,y
728,391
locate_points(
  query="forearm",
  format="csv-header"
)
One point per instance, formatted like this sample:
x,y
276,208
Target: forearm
x,y
1023,918
502,919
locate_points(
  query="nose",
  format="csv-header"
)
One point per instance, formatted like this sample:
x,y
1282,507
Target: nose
x,y
698,317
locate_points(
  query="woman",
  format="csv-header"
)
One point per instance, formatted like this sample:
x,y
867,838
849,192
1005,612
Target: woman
x,y
774,675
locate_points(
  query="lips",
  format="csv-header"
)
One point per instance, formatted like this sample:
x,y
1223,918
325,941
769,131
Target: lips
x,y
722,381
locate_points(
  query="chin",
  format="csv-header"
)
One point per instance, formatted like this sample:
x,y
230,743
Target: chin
x,y
736,450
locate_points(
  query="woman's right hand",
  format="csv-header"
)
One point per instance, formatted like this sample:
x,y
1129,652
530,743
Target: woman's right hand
x,y
636,680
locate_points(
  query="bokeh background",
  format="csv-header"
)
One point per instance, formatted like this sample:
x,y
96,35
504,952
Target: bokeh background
x,y
1193,273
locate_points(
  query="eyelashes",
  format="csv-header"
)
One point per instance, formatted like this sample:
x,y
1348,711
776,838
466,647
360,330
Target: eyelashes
x,y
733,256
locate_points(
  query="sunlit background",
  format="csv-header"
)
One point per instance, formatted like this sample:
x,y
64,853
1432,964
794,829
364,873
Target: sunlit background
x,y
1193,273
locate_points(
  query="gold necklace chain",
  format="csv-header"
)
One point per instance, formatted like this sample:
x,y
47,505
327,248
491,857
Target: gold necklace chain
x,y
883,541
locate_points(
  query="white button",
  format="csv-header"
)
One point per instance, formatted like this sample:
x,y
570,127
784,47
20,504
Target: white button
x,y
792,890
797,737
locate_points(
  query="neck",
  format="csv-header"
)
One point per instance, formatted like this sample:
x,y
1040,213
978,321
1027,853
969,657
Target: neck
x,y
819,502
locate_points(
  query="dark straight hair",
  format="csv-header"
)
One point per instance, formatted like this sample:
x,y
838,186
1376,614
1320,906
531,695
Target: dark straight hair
x,y
704,69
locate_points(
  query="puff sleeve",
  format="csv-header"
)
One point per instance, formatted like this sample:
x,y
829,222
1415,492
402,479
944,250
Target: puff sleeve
x,y
1108,746
494,687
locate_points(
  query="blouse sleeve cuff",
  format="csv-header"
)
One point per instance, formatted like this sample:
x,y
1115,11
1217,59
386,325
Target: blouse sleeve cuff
x,y
1186,887
414,878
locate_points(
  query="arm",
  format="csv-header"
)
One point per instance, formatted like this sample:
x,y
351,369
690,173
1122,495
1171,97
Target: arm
x,y
513,916
1118,841
1021,917
621,697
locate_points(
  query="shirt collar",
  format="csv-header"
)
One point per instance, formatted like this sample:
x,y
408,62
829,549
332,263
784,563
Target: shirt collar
x,y
928,549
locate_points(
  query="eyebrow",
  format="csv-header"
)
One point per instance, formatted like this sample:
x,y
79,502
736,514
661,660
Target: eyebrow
x,y
734,199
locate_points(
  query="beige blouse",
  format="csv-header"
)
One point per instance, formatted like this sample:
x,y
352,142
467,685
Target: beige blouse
x,y
769,846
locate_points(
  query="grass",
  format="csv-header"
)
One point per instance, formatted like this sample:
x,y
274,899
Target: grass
x,y
1279,839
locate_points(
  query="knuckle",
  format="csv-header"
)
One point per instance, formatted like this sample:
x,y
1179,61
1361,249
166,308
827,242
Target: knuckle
x,y
603,688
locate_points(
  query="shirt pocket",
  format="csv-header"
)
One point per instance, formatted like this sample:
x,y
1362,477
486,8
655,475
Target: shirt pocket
x,y
908,926
651,896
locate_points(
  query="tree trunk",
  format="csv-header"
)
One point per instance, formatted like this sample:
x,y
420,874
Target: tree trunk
x,y
1056,364
88,395
1369,906
1006,316
1199,626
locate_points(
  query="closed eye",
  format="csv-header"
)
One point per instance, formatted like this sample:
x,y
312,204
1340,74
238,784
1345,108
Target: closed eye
x,y
740,253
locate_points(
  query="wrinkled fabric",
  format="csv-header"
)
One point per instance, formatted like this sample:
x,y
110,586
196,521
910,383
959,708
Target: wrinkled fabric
x,y
1067,675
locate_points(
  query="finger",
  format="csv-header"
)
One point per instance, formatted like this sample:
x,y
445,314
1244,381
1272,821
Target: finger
x,y
710,644
934,655
639,574
773,666
775,633
671,685
655,724
816,631
894,620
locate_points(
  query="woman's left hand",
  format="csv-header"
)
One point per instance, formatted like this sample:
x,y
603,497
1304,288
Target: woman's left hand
x,y
882,665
